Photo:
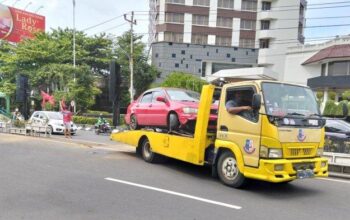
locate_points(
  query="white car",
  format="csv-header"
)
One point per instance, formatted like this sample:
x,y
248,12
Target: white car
x,y
53,120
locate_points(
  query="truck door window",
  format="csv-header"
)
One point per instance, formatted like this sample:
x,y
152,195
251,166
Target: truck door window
x,y
243,97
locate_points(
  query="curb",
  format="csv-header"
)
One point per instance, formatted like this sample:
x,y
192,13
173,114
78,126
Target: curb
x,y
339,175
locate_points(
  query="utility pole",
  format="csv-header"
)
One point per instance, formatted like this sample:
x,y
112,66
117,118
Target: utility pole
x,y
131,57
74,53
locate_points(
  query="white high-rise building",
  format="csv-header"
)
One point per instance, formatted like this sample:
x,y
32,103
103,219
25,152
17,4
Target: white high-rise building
x,y
280,24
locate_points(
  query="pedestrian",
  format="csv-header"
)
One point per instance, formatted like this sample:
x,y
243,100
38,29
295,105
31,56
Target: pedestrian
x,y
67,120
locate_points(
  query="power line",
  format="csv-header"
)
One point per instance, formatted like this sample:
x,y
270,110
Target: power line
x,y
104,22
108,29
271,29
274,9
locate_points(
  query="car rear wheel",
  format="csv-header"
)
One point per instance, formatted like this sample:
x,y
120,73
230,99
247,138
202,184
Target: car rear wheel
x,y
173,122
133,123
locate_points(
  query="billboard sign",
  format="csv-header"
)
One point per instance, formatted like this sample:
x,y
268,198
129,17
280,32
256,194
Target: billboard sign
x,y
16,24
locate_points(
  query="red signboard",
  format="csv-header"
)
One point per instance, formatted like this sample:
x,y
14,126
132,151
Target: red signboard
x,y
16,24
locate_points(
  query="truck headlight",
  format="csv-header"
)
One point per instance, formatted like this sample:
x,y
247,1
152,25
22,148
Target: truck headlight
x,y
275,153
266,152
189,110
319,152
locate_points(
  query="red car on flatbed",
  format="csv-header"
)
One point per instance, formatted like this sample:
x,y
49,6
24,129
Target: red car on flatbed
x,y
169,108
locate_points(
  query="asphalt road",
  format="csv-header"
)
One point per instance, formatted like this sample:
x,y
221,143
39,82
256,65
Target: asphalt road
x,y
59,179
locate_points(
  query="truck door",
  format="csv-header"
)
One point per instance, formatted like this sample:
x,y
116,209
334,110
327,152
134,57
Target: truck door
x,y
243,128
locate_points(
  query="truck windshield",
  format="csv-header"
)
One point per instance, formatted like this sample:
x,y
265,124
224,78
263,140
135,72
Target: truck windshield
x,y
289,100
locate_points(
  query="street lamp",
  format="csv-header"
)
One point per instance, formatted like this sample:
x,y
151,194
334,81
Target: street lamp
x,y
29,3
37,10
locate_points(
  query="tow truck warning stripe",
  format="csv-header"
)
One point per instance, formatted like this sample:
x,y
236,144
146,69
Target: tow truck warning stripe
x,y
175,193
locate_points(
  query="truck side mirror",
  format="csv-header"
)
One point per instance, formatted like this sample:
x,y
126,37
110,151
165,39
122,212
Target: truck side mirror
x,y
345,110
161,99
256,102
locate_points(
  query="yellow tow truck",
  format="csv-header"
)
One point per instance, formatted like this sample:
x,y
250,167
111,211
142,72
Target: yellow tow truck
x,y
281,139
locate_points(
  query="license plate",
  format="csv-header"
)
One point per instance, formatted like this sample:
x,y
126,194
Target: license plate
x,y
302,174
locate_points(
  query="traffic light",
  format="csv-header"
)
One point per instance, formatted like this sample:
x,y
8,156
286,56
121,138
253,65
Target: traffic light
x,y
21,88
114,80
114,90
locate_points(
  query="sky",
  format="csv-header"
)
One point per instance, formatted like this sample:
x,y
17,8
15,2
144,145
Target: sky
x,y
59,13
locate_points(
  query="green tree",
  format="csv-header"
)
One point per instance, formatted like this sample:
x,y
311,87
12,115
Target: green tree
x,y
47,61
184,80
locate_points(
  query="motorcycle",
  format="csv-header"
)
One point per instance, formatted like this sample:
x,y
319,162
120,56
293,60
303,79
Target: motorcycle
x,y
104,128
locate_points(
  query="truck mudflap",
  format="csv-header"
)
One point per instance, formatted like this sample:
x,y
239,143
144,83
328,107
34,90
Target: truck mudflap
x,y
283,170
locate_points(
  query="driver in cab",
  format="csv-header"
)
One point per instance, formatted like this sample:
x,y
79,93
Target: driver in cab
x,y
237,105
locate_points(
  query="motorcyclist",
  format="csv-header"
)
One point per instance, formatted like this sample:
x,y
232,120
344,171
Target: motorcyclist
x,y
100,122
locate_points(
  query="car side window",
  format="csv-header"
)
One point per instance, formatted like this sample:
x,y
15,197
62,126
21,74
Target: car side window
x,y
155,95
147,98
41,116
36,115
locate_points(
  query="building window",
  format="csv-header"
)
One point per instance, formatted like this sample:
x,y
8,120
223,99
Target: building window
x,y
246,43
160,65
186,66
323,69
264,43
201,2
228,55
249,5
233,59
223,41
177,65
174,18
225,4
156,55
200,20
266,6
248,25
175,1
339,68
207,54
265,25
199,39
173,37
173,55
183,52
224,22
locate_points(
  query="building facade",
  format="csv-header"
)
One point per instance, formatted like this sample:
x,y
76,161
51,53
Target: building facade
x,y
215,33
323,67
280,25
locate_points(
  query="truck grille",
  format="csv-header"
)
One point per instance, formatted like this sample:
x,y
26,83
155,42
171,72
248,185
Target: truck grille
x,y
293,152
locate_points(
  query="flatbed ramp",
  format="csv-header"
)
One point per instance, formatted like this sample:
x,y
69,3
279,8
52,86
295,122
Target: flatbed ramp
x,y
171,145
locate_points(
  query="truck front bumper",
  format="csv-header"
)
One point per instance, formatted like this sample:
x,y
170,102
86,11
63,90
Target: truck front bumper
x,y
283,170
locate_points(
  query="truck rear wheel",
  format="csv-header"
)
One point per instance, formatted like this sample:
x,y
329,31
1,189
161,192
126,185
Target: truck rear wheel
x,y
148,155
228,170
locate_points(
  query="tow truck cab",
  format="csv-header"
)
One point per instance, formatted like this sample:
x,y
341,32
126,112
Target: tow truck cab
x,y
280,140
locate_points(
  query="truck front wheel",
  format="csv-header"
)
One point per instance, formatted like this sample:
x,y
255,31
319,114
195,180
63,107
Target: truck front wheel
x,y
228,170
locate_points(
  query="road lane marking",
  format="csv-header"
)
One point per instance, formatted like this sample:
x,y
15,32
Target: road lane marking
x,y
334,180
175,193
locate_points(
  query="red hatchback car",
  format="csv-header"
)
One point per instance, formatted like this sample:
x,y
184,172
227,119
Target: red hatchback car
x,y
169,108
